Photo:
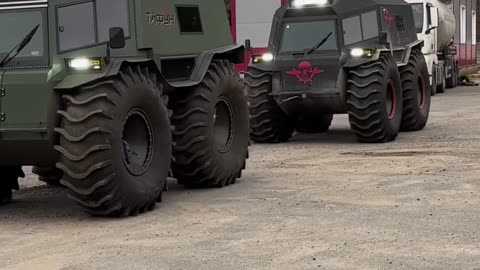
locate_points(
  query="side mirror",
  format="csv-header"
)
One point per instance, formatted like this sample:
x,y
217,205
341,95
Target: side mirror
x,y
383,38
117,38
248,45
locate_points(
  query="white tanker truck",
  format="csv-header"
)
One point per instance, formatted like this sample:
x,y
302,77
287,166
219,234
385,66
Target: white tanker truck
x,y
435,23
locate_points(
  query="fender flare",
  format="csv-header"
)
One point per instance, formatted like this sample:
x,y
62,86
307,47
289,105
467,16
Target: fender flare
x,y
234,53
408,50
72,81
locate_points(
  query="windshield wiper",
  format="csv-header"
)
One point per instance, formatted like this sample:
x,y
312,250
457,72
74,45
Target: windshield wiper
x,y
320,44
19,47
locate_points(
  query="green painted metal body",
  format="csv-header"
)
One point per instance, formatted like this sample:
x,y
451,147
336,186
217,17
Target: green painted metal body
x,y
31,95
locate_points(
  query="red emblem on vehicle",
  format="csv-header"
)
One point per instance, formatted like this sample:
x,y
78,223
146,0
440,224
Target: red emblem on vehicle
x,y
305,72
388,18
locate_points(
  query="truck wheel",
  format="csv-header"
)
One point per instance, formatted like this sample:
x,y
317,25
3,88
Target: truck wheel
x,y
453,81
115,143
8,182
314,124
374,100
441,87
50,176
211,129
269,124
433,85
416,93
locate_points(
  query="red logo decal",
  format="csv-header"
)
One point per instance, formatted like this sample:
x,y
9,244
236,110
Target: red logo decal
x,y
305,72
388,18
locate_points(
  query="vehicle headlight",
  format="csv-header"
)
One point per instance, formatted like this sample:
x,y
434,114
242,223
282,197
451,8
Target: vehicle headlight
x,y
85,63
359,52
302,3
266,57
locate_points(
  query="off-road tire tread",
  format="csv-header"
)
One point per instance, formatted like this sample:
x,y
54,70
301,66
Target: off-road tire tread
x,y
268,124
408,73
362,95
80,155
198,169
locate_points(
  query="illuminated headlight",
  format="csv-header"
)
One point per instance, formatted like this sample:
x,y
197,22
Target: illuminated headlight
x,y
358,52
302,3
85,63
266,57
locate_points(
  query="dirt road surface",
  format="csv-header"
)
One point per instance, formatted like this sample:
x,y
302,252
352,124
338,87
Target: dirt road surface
x,y
318,202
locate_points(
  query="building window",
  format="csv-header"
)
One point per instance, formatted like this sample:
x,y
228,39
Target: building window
x,y
463,24
189,19
474,27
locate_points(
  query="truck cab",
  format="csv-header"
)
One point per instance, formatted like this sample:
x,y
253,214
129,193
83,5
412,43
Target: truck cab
x,y
435,24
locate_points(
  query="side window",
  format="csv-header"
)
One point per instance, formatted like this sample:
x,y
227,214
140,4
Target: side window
x,y
400,22
76,26
273,31
370,25
189,19
352,30
111,13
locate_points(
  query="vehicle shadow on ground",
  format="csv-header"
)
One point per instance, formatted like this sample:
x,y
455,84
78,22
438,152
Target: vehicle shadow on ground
x,y
333,136
46,203
41,202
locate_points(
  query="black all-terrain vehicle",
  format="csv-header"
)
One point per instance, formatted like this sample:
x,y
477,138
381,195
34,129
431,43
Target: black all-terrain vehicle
x,y
342,56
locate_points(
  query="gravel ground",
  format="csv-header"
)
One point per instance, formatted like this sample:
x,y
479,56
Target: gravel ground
x,y
318,202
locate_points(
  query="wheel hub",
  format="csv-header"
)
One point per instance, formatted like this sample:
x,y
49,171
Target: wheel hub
x,y
137,142
391,101
223,125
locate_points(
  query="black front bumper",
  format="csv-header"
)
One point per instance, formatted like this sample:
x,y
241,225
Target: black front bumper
x,y
324,95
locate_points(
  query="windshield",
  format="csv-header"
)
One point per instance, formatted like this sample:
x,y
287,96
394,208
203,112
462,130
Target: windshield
x,y
418,16
301,36
16,25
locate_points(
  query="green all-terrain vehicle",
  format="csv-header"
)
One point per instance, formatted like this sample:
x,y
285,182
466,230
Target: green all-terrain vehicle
x,y
112,96
360,57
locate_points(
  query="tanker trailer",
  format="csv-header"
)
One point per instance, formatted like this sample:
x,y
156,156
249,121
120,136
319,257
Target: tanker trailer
x,y
435,25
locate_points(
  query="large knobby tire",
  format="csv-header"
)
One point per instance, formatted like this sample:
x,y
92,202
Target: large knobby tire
x,y
115,143
211,129
314,123
442,87
9,182
268,123
374,100
416,93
